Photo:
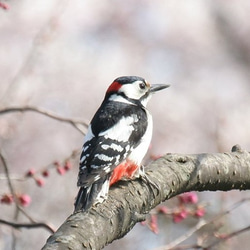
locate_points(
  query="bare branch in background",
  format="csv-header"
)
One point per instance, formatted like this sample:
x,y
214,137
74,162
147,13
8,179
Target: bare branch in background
x,y
28,225
18,208
202,223
78,124
11,187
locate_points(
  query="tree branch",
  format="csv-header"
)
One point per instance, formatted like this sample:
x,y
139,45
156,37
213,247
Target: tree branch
x,y
28,225
74,122
130,201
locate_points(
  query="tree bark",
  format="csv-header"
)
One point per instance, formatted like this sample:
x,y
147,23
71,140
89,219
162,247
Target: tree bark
x,y
130,201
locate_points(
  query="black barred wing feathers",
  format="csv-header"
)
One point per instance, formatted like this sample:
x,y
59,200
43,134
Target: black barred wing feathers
x,y
106,144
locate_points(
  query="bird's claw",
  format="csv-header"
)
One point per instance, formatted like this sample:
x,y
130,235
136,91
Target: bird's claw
x,y
145,178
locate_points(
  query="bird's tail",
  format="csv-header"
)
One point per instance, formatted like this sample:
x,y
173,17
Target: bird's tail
x,y
87,196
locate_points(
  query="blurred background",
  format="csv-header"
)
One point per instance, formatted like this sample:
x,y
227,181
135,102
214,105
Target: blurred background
x,y
62,55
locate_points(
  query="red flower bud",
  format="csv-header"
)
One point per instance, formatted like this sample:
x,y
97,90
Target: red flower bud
x,y
56,163
163,209
200,212
40,182
180,216
67,166
154,224
190,197
45,173
60,170
25,200
4,6
31,172
7,199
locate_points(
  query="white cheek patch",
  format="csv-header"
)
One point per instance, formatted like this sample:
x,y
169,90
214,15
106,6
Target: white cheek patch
x,y
132,90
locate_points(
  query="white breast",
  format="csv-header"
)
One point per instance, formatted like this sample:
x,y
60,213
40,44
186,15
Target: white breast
x,y
139,152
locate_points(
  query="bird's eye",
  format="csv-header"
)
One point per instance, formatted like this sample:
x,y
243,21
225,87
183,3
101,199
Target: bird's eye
x,y
142,85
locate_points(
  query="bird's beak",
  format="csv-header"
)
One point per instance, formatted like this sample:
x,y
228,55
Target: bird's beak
x,y
157,87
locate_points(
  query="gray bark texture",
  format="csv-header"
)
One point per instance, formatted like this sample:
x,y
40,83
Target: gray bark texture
x,y
130,201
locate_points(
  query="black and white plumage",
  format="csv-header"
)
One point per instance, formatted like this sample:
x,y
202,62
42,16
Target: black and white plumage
x,y
117,139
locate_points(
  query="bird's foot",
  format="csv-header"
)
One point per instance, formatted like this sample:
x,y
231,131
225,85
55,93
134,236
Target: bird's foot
x,y
145,178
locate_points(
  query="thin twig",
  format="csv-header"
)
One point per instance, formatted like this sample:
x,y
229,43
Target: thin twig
x,y
173,245
11,187
18,208
185,236
13,177
198,246
74,122
28,225
51,165
229,236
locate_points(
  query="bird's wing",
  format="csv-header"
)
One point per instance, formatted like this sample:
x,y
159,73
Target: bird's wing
x,y
109,141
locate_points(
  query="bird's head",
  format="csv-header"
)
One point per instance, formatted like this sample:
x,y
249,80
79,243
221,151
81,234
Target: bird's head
x,y
133,88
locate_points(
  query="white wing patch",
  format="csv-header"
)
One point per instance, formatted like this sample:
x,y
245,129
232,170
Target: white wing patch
x,y
115,133
104,157
114,146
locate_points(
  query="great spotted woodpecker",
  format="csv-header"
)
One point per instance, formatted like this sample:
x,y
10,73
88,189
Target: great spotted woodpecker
x,y
117,139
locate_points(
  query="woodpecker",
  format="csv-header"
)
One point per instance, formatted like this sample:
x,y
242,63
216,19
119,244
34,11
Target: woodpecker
x,y
117,139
